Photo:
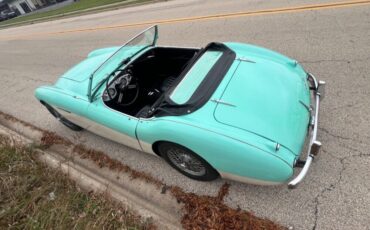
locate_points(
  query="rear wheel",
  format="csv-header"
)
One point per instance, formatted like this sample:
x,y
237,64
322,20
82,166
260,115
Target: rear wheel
x,y
187,162
62,119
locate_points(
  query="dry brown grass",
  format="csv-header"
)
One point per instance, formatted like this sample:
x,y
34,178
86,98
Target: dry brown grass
x,y
206,212
33,196
200,212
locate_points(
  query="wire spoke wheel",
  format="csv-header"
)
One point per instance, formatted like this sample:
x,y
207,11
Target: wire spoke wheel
x,y
186,162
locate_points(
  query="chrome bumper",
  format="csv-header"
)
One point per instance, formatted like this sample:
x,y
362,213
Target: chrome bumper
x,y
318,89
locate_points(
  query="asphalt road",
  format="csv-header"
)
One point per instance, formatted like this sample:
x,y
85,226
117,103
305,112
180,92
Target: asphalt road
x,y
333,42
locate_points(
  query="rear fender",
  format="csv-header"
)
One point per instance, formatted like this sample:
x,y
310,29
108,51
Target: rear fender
x,y
227,155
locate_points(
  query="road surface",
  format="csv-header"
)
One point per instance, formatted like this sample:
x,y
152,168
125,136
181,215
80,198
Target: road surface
x,y
330,40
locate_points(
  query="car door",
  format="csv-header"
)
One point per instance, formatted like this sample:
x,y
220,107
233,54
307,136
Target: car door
x,y
108,122
112,124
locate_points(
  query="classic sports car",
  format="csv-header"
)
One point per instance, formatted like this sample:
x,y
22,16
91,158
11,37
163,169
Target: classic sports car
x,y
232,110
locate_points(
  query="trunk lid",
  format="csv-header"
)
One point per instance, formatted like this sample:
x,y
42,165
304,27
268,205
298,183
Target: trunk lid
x,y
268,98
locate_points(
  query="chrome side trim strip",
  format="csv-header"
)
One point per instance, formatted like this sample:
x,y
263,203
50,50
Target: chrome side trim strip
x,y
313,140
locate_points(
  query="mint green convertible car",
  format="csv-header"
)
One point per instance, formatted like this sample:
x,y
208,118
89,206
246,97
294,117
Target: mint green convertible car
x,y
232,110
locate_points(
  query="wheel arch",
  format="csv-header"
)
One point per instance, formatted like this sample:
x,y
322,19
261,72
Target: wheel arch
x,y
156,144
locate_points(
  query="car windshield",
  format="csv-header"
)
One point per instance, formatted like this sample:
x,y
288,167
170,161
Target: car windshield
x,y
194,77
122,55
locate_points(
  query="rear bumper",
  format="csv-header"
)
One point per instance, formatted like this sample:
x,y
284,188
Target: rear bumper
x,y
318,91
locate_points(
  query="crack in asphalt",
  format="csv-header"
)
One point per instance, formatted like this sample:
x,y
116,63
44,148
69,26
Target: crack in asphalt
x,y
334,135
356,140
333,186
329,188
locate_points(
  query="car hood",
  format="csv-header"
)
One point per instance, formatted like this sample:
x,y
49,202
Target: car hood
x,y
76,80
267,95
84,69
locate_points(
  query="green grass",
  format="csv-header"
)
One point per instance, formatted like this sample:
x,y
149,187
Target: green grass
x,y
33,196
74,7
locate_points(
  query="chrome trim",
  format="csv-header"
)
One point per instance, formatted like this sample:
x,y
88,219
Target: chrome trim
x,y
314,144
218,101
312,120
137,35
244,59
321,89
89,93
277,147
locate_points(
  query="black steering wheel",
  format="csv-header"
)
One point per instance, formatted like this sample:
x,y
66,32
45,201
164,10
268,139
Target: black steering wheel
x,y
125,85
128,90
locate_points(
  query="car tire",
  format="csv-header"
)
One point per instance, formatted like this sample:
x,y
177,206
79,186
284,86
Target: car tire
x,y
70,124
187,162
62,119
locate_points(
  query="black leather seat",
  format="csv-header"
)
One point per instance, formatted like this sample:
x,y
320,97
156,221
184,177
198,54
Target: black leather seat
x,y
167,83
144,112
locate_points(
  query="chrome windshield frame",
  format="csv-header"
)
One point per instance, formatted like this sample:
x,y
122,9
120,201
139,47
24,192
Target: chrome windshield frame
x,y
89,93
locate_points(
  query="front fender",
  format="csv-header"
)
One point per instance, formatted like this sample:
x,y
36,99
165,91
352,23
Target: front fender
x,y
62,99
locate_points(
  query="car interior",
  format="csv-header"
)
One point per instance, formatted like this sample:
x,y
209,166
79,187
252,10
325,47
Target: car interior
x,y
136,88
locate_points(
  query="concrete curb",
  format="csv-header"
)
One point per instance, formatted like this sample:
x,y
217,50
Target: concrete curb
x,y
144,198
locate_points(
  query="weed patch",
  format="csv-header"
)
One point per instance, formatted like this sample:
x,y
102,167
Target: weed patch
x,y
33,196
200,212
